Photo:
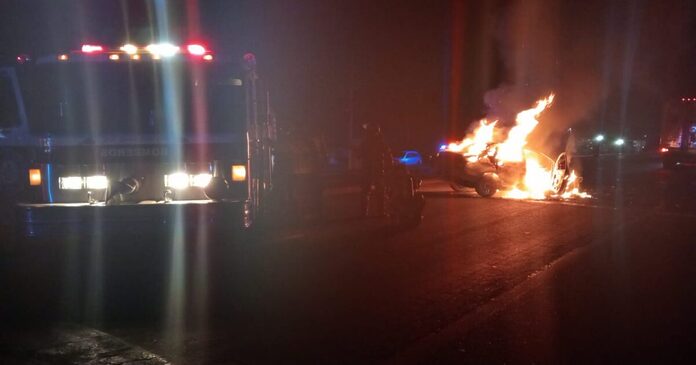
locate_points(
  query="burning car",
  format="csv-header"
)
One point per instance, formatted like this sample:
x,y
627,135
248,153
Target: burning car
x,y
486,174
488,163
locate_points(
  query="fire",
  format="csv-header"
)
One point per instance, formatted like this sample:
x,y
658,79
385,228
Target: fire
x,y
536,182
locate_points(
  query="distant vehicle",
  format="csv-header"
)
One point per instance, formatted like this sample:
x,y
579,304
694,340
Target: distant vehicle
x,y
410,158
678,137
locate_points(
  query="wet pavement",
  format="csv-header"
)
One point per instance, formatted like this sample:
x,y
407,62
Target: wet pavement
x,y
480,280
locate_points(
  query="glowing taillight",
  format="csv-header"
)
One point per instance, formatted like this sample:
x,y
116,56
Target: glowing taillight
x,y
135,57
91,48
34,177
196,49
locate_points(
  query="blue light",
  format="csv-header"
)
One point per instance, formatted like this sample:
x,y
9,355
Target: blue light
x,y
443,147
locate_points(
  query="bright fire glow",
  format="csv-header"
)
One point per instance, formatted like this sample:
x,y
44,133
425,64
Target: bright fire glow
x,y
536,182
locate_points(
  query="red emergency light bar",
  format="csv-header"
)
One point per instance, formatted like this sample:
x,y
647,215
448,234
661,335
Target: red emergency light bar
x,y
91,48
196,49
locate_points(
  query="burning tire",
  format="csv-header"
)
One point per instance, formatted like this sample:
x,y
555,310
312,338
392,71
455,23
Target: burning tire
x,y
487,185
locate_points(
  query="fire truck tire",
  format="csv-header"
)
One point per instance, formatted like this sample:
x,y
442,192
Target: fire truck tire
x,y
487,185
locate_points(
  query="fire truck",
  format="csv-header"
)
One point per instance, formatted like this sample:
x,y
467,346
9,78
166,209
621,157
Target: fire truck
x,y
678,137
134,133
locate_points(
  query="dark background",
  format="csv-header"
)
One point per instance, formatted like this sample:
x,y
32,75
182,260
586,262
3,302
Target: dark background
x,y
424,70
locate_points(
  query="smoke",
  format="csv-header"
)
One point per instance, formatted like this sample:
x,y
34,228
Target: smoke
x,y
550,47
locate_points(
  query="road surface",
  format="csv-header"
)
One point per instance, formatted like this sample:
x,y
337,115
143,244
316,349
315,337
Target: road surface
x,y
480,280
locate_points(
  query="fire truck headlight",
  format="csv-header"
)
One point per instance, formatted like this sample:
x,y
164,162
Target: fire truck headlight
x,y
34,177
97,182
201,180
70,182
239,172
177,180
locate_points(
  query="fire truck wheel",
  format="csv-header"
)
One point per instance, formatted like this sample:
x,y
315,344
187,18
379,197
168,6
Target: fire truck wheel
x,y
487,185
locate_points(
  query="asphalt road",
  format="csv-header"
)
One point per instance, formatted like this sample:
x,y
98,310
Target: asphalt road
x,y
605,279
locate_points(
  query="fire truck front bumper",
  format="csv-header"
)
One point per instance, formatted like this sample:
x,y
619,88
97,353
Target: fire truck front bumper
x,y
42,220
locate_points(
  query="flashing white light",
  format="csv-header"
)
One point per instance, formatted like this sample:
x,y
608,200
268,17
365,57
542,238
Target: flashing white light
x,y
70,182
129,49
195,49
208,57
90,48
114,57
619,142
599,138
177,180
96,182
162,49
201,180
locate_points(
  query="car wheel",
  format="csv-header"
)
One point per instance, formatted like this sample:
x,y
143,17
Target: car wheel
x,y
487,185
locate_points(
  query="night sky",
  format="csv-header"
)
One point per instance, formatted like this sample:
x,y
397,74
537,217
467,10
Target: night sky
x,y
424,70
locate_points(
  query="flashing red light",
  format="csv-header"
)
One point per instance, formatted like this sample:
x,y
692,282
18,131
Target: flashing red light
x,y
90,48
664,149
196,49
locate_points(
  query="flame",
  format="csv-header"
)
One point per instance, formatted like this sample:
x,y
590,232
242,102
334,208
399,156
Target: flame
x,y
537,180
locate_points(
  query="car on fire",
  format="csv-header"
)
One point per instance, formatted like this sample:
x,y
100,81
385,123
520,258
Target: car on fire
x,y
486,174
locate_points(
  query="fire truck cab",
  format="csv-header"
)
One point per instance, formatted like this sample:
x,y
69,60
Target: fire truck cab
x,y
136,133
678,137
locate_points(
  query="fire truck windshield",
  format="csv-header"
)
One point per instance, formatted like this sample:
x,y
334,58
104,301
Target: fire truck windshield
x,y
133,98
